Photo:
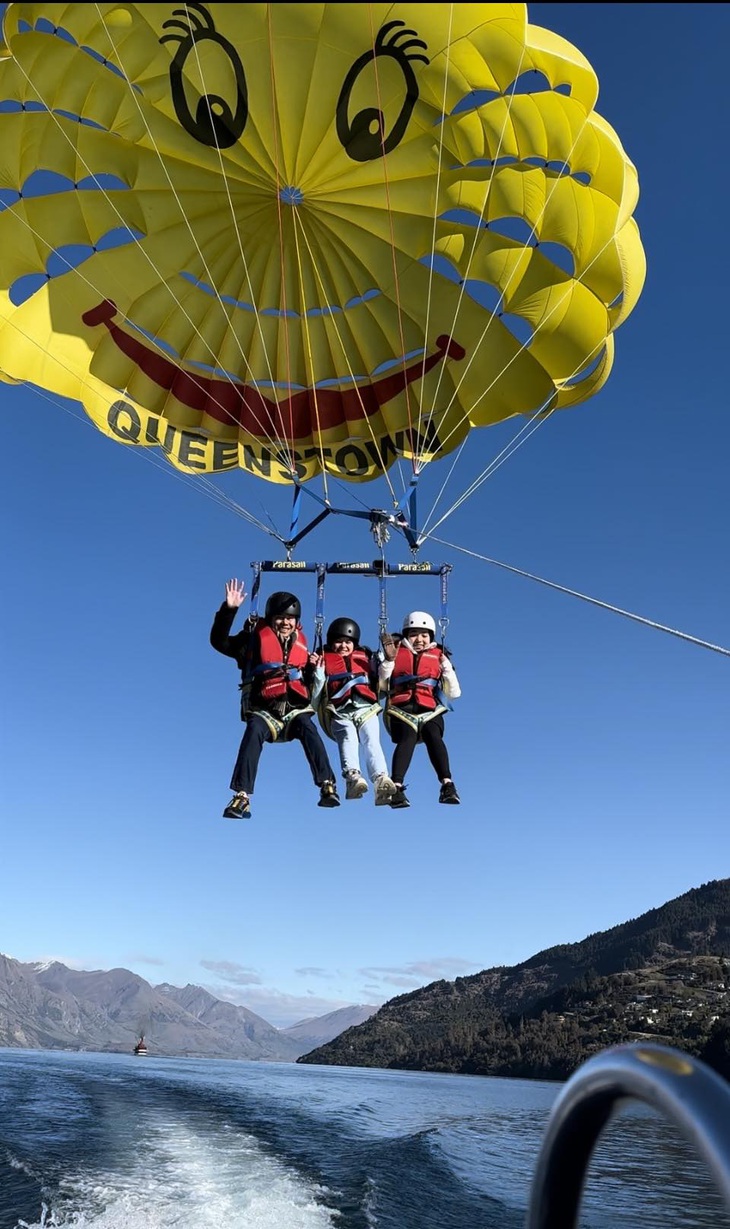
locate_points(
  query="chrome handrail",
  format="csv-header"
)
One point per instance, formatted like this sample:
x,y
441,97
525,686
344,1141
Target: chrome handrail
x,y
688,1092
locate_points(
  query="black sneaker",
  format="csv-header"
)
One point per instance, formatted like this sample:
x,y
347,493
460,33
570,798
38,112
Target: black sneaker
x,y
239,807
448,794
398,798
328,796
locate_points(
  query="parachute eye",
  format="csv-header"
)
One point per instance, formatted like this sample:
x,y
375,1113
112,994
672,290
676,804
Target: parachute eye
x,y
367,137
216,122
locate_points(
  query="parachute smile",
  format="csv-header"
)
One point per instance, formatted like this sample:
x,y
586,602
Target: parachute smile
x,y
307,411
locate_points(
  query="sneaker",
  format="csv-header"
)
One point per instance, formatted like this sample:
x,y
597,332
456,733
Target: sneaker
x,y
328,796
239,807
384,790
398,797
448,794
356,785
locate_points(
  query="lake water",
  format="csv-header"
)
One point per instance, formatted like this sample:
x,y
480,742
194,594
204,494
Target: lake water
x,y
117,1142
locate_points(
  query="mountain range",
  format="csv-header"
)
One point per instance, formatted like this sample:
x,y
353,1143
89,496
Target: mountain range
x,y
48,1006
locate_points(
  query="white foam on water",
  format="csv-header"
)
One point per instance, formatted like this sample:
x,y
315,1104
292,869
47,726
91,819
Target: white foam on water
x,y
180,1176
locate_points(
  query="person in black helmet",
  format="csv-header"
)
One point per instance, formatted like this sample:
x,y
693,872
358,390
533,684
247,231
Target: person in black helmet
x,y
346,691
277,672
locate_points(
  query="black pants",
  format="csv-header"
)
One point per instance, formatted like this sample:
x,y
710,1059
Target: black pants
x,y
405,739
302,729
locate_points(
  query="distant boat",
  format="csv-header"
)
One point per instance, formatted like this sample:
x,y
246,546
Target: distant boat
x,y
141,1048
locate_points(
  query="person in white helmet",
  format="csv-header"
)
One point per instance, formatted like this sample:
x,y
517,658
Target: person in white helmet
x,y
415,674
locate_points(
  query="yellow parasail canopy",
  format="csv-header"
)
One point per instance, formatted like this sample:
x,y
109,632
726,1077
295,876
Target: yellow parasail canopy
x,y
305,237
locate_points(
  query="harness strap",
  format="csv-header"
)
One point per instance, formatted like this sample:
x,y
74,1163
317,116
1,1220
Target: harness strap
x,y
444,617
291,672
278,726
383,596
415,720
319,608
352,680
400,679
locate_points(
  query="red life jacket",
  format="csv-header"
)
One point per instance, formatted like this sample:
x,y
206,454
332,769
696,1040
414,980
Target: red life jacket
x,y
415,676
348,676
275,679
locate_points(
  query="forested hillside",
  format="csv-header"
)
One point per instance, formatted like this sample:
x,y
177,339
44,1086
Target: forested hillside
x,y
664,976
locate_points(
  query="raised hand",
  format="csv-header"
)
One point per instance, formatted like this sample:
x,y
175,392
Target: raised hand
x,y
235,593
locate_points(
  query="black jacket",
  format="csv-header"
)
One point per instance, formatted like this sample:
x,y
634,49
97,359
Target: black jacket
x,y
243,647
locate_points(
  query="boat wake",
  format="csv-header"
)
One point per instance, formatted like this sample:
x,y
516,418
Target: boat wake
x,y
180,1174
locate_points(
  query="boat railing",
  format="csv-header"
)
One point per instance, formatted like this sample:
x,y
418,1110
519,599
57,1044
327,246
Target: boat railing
x,y
685,1090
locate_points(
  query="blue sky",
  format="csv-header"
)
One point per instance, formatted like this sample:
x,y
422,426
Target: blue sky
x,y
590,752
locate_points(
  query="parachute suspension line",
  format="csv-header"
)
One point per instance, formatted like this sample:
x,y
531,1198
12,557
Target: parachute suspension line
x,y
424,432
542,412
350,373
528,429
196,482
536,420
584,362
593,601
282,258
470,257
423,535
310,356
389,210
533,231
152,341
525,345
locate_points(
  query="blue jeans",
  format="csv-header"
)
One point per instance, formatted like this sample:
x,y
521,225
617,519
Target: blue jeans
x,y
349,739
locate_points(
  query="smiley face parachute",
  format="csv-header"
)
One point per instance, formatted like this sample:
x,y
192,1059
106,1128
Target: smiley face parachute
x,y
307,237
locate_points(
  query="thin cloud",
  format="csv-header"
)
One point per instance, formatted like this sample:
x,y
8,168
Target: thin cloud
x,y
243,986
419,971
228,971
400,979
138,958
283,1010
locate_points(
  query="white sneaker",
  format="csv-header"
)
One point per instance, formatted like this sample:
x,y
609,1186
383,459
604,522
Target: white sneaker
x,y
356,786
384,790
